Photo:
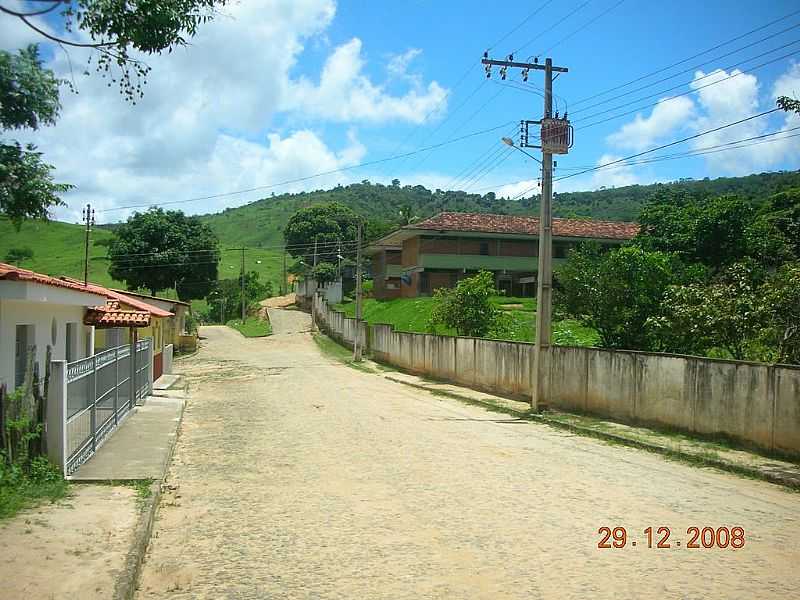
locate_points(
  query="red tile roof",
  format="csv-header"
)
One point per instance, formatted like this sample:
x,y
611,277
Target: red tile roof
x,y
125,299
112,315
12,273
486,223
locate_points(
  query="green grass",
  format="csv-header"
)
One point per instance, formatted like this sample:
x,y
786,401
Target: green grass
x,y
58,250
19,491
334,350
252,327
412,314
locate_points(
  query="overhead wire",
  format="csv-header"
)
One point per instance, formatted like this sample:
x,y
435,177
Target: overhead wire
x,y
684,60
312,176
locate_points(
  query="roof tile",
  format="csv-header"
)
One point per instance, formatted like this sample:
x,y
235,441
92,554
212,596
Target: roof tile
x,y
488,223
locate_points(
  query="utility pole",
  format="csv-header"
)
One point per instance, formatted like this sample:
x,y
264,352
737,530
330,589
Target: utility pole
x,y
284,284
357,350
314,297
556,137
244,306
88,219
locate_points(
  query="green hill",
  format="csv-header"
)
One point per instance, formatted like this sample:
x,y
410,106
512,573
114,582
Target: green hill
x,y
260,223
58,247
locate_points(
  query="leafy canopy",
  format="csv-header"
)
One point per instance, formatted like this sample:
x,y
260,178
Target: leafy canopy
x,y
225,299
616,291
160,249
331,226
28,99
467,307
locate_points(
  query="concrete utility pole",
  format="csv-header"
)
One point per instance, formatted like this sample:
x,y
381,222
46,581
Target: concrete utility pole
x,y
88,219
284,284
357,350
314,297
244,306
556,137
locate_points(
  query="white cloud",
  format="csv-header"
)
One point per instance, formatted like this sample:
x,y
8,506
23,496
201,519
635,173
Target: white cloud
x,y
734,99
211,117
526,187
345,94
618,175
667,116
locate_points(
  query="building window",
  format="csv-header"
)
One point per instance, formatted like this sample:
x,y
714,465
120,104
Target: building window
x,y
26,338
484,250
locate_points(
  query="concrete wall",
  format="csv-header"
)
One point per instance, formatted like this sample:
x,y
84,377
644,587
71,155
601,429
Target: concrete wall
x,y
756,403
47,319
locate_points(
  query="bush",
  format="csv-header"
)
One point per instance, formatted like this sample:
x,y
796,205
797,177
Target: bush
x,y
15,256
467,308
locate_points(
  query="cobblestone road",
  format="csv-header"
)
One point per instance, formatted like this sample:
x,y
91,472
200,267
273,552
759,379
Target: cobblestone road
x,y
296,477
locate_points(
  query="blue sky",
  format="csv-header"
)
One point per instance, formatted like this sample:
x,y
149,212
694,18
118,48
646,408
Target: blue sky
x,y
278,90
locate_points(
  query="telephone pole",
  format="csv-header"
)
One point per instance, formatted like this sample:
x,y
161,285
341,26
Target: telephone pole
x,y
314,297
556,138
357,350
284,284
244,306
88,219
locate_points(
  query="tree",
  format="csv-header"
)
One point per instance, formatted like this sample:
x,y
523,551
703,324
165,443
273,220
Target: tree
x,y
781,308
225,299
29,94
699,317
120,30
160,249
782,211
324,273
329,225
616,292
714,231
789,104
466,308
15,256
28,100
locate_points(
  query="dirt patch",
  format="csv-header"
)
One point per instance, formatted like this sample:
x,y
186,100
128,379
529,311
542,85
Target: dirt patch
x,y
73,549
512,306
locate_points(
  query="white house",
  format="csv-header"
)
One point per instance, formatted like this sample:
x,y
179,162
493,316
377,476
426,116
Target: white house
x,y
38,310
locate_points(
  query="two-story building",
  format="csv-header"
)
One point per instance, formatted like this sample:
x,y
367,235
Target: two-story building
x,y
419,258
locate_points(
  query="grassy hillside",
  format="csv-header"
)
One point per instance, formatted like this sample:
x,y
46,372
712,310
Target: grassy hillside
x,y
261,223
58,247
412,314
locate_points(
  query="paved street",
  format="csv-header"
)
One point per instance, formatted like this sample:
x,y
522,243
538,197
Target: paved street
x,y
298,477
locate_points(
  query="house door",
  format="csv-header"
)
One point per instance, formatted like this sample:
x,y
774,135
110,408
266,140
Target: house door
x,y
25,339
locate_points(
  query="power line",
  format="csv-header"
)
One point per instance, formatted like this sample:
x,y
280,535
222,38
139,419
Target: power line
x,y
690,69
520,24
582,27
692,91
680,62
661,147
536,37
314,176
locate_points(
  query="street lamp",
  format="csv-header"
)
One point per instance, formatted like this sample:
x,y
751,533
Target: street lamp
x,y
510,142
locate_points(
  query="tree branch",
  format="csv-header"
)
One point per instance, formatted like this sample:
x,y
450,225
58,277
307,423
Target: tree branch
x,y
54,38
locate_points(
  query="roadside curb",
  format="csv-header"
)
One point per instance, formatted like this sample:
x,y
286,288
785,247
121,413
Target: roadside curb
x,y
128,580
785,481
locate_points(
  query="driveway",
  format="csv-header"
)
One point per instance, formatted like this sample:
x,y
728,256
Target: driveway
x,y
298,477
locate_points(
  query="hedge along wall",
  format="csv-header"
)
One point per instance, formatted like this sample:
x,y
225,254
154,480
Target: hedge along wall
x,y
753,402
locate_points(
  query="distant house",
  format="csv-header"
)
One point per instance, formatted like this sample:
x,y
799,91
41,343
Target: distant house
x,y
175,326
39,311
419,258
160,324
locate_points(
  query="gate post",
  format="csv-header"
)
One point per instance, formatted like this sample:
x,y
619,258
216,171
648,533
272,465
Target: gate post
x,y
93,411
116,385
132,397
55,426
